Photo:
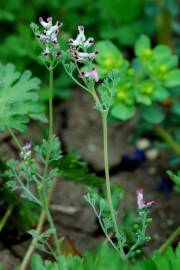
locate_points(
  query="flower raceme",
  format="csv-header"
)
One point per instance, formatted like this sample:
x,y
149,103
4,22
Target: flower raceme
x,y
140,200
79,51
80,45
48,38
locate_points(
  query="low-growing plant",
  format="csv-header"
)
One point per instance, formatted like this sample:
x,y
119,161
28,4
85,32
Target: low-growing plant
x,y
35,173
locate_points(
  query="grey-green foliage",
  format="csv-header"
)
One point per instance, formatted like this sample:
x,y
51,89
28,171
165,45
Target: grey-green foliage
x,y
23,174
18,98
54,148
134,240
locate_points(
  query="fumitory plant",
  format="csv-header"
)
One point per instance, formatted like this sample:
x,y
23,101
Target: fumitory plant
x,y
35,173
105,208
116,89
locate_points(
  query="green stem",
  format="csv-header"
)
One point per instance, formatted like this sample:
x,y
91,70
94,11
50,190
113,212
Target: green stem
x,y
39,228
14,138
46,197
108,186
6,216
75,80
51,223
170,240
50,120
166,136
50,102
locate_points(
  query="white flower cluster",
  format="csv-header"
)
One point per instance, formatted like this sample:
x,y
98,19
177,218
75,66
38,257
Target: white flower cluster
x,y
79,52
49,37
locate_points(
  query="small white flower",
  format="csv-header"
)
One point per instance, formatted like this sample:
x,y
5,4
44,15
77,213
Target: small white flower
x,y
26,151
81,39
83,56
46,51
93,74
46,25
140,199
54,29
89,42
54,38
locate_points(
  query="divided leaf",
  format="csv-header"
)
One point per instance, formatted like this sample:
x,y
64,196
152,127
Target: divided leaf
x,y
18,98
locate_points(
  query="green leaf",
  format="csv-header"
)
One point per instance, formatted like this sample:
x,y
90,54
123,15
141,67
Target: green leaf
x,y
18,98
172,78
142,45
122,111
176,108
143,99
160,94
109,56
161,51
152,114
37,262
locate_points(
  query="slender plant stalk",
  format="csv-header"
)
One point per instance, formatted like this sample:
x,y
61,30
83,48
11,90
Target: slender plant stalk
x,y
167,137
50,120
39,229
14,138
48,214
108,186
45,213
170,240
31,247
6,216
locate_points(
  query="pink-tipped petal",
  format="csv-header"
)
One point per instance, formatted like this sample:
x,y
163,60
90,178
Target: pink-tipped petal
x,y
140,199
139,195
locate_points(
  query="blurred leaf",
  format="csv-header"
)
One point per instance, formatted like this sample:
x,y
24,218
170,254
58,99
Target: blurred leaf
x,y
109,56
122,111
142,45
176,108
152,114
173,78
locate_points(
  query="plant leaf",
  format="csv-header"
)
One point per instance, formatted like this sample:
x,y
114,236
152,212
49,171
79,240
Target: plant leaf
x,y
18,98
